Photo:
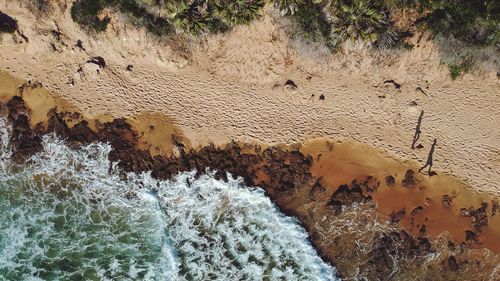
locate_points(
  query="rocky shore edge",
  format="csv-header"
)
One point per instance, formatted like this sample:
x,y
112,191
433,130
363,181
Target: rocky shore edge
x,y
284,174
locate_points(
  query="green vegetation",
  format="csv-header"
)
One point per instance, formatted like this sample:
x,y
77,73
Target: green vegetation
x,y
471,26
7,24
471,23
163,17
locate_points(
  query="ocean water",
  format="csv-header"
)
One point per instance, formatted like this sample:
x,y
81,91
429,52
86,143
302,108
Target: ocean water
x,y
67,214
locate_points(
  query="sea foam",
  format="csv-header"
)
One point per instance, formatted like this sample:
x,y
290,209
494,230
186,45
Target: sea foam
x,y
68,214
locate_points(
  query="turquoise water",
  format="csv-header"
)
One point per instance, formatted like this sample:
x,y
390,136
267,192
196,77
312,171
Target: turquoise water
x,y
68,215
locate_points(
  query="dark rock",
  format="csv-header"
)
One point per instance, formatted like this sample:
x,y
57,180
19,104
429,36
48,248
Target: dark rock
x,y
392,246
130,67
24,140
409,179
416,210
345,196
322,97
397,216
452,263
422,230
98,61
79,44
7,23
494,207
317,189
470,236
370,184
479,218
451,246
79,134
290,84
390,180
446,200
396,85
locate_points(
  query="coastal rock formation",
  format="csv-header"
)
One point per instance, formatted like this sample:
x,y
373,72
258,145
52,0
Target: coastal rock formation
x,y
347,196
285,175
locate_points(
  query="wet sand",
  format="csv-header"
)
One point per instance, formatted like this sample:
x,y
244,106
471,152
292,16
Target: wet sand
x,y
334,162
352,239
338,163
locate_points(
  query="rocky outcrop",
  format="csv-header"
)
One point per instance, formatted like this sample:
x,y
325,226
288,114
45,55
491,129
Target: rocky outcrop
x,y
348,195
389,247
24,140
478,217
409,179
285,175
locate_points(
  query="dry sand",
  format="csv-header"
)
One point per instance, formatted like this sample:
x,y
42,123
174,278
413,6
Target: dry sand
x,y
230,87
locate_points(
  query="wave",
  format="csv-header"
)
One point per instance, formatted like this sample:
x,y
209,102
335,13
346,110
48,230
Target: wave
x,y
70,214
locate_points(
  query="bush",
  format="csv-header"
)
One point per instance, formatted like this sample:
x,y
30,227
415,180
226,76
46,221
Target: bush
x,y
191,16
86,12
7,24
313,24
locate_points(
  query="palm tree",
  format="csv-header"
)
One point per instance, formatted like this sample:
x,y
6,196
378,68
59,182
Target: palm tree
x,y
188,16
236,12
288,7
357,20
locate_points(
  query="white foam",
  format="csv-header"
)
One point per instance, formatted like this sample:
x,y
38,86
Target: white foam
x,y
69,214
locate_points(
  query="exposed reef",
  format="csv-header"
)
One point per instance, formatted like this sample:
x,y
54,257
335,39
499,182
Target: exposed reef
x,y
285,173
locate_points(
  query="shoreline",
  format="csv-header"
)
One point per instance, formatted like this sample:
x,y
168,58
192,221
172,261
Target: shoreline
x,y
286,173
333,163
328,137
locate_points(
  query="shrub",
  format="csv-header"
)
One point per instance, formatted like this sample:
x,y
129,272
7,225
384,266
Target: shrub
x,y
85,13
313,24
7,23
358,20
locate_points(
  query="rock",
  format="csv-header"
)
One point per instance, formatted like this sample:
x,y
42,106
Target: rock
x,y
397,216
98,61
446,200
130,67
346,196
25,141
390,180
452,263
7,23
464,212
416,210
396,85
409,179
422,230
494,207
388,247
479,218
470,236
321,97
317,189
289,84
428,202
79,44
370,184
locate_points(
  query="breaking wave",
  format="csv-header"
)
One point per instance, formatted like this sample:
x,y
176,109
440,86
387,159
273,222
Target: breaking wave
x,y
68,214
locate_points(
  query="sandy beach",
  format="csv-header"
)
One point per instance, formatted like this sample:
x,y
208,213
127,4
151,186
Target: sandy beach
x,y
231,87
328,137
